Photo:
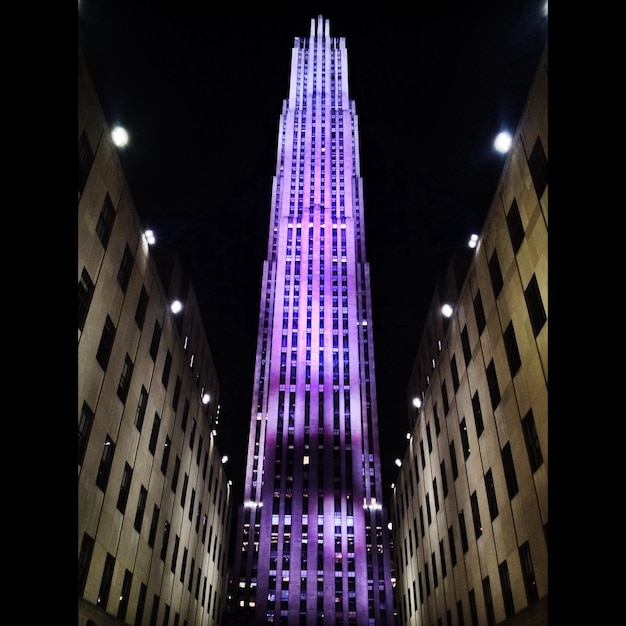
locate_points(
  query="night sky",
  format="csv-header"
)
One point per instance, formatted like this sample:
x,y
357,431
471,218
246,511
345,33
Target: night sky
x,y
201,95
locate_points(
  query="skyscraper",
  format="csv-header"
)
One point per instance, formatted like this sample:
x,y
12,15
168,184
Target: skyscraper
x,y
312,544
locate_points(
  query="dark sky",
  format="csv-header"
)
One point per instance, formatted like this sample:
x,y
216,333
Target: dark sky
x,y
201,95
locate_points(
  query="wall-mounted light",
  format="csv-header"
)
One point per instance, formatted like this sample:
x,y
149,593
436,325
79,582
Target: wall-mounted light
x,y
446,310
417,402
176,307
206,398
225,458
408,435
119,136
473,241
398,462
149,237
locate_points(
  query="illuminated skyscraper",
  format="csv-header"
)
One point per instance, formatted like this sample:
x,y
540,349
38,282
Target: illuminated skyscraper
x,y
313,544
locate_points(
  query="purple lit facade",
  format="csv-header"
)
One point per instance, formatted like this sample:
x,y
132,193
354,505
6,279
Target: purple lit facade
x,y
313,545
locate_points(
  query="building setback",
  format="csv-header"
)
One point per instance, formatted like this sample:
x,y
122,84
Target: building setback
x,y
312,539
154,502
470,504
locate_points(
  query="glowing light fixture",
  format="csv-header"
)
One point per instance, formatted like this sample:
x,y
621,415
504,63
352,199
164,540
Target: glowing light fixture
x,y
176,306
206,398
473,241
225,458
446,310
502,142
398,462
417,402
149,237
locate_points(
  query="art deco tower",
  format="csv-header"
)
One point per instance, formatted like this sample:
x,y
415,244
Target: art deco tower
x,y
313,544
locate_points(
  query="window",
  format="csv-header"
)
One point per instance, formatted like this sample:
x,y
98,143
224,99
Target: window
x,y
479,312
534,304
154,524
166,455
166,538
124,595
85,161
467,351
478,415
154,435
455,373
490,488
512,352
492,382
452,545
528,572
495,274
142,307
444,478
176,473
491,618
533,447
463,531
126,268
126,375
105,582
85,294
175,554
509,471
478,527
105,221
106,461
455,467
464,439
514,224
444,398
155,610
106,343
167,368
84,561
473,607
85,421
141,408
538,166
156,338
141,508
507,591
176,396
122,498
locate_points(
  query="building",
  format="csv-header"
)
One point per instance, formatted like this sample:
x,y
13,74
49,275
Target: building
x,y
312,540
470,505
154,501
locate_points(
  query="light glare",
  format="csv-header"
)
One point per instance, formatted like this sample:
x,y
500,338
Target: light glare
x,y
502,142
119,136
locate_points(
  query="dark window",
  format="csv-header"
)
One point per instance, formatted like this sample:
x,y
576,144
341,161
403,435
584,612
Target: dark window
x,y
436,494
464,439
473,608
512,352
433,561
166,455
105,582
491,618
495,274
423,457
122,498
105,221
141,604
85,421
429,438
126,269
192,435
166,538
183,423
141,508
436,419
125,376
478,415
154,524
442,558
156,338
124,596
455,467
167,368
444,398
528,573
538,166
534,304
183,495
106,461
85,294
85,161
479,312
190,583
176,396
444,478
154,435
106,343
492,382
84,561
193,501
141,408
507,591
166,615
155,610
455,373
183,566
175,554
176,473
467,352
533,447
490,488
142,307
459,613
478,527
509,471
515,226
199,453
463,531
452,545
